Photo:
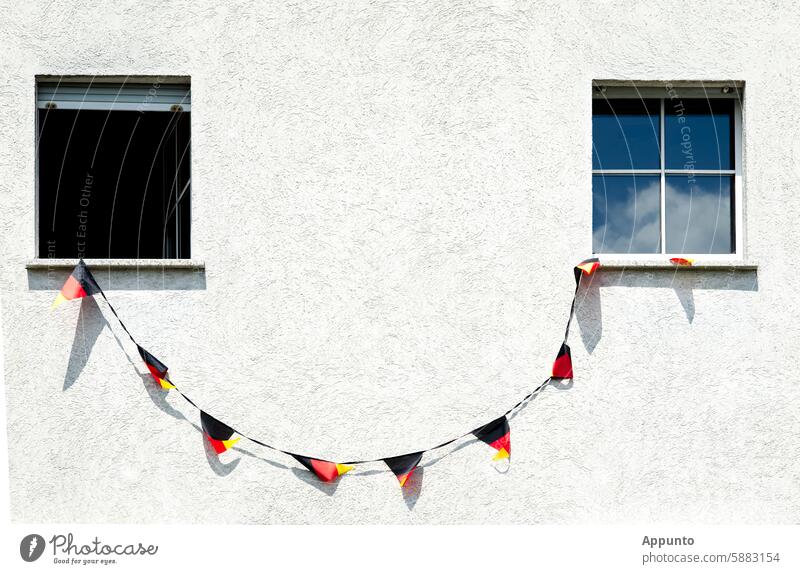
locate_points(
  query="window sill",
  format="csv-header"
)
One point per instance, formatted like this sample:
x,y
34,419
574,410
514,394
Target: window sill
x,y
147,264
661,264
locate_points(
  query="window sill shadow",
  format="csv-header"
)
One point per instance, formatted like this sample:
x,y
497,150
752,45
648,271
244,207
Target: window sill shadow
x,y
122,274
679,279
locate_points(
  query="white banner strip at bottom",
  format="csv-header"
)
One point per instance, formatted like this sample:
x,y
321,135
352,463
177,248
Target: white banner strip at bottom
x,y
401,549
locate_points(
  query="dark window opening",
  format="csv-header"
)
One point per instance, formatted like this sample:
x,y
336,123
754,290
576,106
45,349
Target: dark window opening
x,y
113,182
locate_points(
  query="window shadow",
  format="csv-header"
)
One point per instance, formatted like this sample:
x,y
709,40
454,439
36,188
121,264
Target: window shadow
x,y
683,281
686,282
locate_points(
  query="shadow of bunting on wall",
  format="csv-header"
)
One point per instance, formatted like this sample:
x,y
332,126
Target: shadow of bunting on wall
x,y
113,170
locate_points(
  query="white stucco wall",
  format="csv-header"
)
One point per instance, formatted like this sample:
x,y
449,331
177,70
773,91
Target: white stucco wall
x,y
389,197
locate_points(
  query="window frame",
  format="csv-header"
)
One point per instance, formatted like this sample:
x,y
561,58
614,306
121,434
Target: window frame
x,y
610,90
151,104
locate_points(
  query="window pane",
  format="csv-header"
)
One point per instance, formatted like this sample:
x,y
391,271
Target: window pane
x,y
625,134
626,215
698,134
699,214
113,184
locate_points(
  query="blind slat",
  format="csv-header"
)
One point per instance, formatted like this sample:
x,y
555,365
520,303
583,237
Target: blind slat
x,y
113,96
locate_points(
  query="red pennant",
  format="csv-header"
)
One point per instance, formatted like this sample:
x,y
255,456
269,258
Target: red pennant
x,y
562,366
325,470
79,284
497,435
682,262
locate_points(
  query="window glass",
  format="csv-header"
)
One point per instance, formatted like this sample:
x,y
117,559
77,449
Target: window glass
x,y
699,214
627,213
698,134
625,134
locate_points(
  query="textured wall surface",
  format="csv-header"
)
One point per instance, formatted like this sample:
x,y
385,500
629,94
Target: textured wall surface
x,y
389,197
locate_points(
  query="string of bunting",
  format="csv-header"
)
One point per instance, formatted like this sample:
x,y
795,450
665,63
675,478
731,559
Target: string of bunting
x,y
221,437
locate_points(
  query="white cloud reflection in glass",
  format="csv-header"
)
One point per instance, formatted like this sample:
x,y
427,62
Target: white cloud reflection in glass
x,y
626,214
699,214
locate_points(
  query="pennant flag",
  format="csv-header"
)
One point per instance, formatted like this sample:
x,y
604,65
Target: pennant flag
x,y
218,433
562,366
681,262
325,470
403,466
156,368
497,435
586,267
79,284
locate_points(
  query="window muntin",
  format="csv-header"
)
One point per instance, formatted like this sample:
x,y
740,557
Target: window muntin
x,y
698,172
113,170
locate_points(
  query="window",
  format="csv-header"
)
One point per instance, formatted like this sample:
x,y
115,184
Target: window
x,y
666,169
113,169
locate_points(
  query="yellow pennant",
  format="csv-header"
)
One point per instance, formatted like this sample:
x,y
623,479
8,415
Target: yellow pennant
x,y
165,384
501,454
59,300
343,468
231,442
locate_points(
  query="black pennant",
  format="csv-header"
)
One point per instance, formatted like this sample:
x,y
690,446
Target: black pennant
x,y
219,434
214,428
403,466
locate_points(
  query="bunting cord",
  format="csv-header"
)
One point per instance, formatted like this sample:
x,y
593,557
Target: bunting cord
x,y
572,307
571,313
459,437
121,324
527,397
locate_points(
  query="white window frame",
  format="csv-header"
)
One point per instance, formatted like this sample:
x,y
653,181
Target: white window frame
x,y
605,89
